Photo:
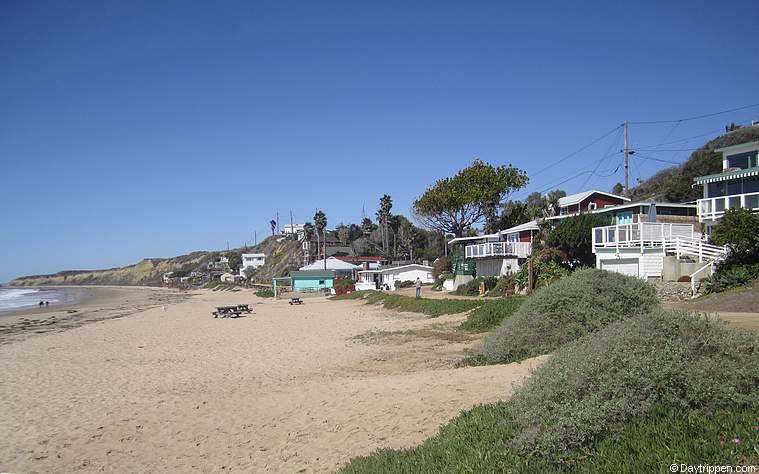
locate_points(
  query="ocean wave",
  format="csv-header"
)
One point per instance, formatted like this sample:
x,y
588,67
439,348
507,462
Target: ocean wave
x,y
12,293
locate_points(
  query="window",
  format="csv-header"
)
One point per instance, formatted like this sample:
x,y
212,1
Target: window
x,y
752,202
742,160
321,282
591,206
715,189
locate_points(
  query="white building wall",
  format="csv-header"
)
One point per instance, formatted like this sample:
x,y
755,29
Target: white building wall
x,y
496,266
650,262
406,274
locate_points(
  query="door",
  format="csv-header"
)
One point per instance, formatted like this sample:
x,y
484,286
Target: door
x,y
625,266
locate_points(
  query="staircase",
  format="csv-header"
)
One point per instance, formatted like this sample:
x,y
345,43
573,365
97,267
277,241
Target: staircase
x,y
698,250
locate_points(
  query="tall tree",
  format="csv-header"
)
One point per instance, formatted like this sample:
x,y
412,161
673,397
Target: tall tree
x,y
320,222
383,215
367,226
343,233
273,225
453,205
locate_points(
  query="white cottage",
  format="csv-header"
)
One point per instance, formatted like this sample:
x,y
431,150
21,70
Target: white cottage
x,y
388,277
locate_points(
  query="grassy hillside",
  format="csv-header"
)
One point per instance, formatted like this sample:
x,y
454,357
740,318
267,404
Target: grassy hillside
x,y
147,272
674,184
281,257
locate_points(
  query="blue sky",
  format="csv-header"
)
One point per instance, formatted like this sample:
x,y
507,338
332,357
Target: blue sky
x,y
151,129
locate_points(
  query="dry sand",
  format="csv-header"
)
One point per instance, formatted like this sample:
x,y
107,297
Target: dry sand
x,y
285,389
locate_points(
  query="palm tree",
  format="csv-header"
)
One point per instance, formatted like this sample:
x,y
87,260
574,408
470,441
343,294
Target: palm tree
x,y
273,225
383,215
320,222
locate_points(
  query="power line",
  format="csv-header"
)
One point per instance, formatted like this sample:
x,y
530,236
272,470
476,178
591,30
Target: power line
x,y
577,151
650,122
657,159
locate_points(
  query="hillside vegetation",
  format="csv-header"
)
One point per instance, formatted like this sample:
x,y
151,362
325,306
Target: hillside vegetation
x,y
674,184
280,258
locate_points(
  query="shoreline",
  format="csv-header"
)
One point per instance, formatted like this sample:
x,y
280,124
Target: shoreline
x,y
88,295
94,303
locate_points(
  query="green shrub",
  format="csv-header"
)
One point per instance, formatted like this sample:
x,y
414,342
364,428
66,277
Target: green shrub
x,y
354,295
404,284
472,288
544,272
731,275
739,230
490,314
506,286
341,284
477,441
626,370
265,294
567,310
430,307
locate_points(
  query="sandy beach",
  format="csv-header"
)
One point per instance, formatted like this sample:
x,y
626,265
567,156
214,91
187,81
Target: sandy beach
x,y
285,389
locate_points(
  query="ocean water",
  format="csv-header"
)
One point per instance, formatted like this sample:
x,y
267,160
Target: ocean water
x,y
19,298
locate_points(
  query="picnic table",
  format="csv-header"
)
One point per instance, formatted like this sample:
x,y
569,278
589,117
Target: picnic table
x,y
295,300
227,311
244,308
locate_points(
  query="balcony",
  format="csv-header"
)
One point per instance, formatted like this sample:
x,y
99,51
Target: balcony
x,y
715,207
498,249
641,234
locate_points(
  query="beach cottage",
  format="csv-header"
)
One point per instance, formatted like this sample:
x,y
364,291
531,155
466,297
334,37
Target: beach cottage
x,y
340,267
389,278
311,280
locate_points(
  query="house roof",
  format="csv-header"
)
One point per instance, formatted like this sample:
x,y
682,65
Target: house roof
x,y
626,205
476,237
367,258
713,178
398,267
311,274
254,255
573,199
332,263
737,145
532,225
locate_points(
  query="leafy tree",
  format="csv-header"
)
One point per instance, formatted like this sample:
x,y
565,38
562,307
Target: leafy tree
x,y
574,236
343,233
473,194
249,272
273,225
234,260
618,189
739,230
308,231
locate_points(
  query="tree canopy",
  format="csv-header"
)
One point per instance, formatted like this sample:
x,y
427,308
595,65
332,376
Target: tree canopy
x,y
453,205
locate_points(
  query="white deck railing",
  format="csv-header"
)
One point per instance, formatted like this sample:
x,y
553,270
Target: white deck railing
x,y
714,208
641,234
673,239
498,249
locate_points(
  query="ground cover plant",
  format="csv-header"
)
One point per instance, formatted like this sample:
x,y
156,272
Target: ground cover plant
x,y
636,396
490,314
265,294
428,306
564,311
354,295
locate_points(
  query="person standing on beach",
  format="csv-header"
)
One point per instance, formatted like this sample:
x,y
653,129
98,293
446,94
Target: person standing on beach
x,y
418,285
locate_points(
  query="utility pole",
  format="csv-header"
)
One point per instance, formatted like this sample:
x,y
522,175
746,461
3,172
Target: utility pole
x,y
255,238
291,222
627,164
278,222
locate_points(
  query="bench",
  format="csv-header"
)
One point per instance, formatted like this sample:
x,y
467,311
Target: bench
x,y
243,308
295,300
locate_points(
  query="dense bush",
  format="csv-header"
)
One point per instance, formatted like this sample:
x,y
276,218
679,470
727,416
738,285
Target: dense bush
x,y
739,230
567,310
506,286
490,314
625,371
472,288
430,307
265,294
731,275
354,295
544,272
342,284
440,266
404,284
574,236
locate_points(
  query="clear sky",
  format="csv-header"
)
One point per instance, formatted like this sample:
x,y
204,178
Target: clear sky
x,y
151,129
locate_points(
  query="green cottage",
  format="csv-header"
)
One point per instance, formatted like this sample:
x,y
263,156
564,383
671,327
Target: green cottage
x,y
305,281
